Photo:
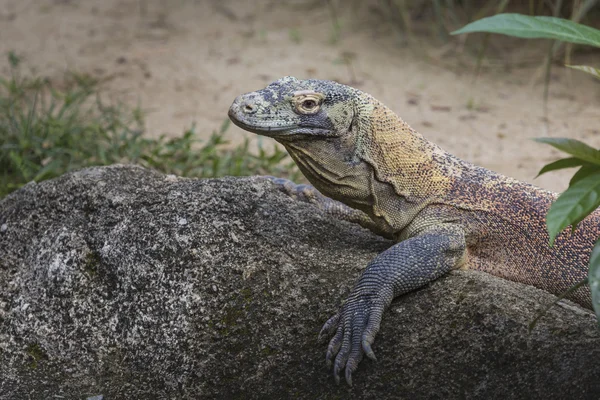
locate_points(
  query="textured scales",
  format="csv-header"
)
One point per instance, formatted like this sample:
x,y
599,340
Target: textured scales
x,y
444,212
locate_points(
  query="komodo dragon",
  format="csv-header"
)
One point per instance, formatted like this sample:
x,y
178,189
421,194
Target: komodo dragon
x,y
445,213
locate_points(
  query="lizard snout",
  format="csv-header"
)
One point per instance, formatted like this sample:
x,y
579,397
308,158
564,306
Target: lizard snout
x,y
248,107
242,112
243,105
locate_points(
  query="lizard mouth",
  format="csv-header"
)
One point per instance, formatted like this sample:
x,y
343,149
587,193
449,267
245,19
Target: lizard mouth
x,y
283,132
267,130
243,121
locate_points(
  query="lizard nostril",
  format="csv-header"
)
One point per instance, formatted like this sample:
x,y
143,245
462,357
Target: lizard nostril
x,y
249,108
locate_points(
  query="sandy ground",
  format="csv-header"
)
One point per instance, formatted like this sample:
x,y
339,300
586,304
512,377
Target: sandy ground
x,y
184,61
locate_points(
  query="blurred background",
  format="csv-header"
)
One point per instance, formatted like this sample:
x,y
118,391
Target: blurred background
x,y
101,81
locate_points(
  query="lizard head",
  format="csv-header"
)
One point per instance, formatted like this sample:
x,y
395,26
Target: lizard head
x,y
344,141
319,124
290,108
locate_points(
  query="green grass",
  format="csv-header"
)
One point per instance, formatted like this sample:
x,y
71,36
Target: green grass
x,y
46,131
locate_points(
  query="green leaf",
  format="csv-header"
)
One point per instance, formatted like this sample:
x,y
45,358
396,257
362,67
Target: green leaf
x,y
525,26
573,147
582,173
590,70
594,278
563,163
574,205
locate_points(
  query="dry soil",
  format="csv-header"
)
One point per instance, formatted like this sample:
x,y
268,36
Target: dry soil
x,y
184,61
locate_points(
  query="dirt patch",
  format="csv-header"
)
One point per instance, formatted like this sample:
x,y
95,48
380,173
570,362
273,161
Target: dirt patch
x,y
185,61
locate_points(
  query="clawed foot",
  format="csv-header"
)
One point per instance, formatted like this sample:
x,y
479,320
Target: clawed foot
x,y
302,192
309,194
353,329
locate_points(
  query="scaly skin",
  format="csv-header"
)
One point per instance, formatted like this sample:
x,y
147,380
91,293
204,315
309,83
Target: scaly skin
x,y
444,213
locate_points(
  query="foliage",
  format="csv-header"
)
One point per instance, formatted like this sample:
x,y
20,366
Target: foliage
x,y
579,200
439,17
590,70
583,195
525,26
45,132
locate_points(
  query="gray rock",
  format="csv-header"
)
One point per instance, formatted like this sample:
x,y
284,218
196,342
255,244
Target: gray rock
x,y
137,285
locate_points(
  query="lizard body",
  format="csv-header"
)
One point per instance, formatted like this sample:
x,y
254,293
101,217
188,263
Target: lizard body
x,y
368,166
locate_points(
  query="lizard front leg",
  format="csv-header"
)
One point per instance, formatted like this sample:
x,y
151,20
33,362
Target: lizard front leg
x,y
338,210
404,267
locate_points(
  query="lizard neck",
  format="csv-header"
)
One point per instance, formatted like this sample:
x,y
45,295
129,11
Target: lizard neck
x,y
416,168
380,166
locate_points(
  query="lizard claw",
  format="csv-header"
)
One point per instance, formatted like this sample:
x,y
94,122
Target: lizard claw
x,y
329,327
368,351
334,346
355,327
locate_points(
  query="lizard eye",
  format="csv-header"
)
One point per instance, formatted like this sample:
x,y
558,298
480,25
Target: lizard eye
x,y
307,102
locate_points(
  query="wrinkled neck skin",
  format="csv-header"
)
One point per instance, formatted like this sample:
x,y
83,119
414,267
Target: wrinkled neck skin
x,y
380,166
